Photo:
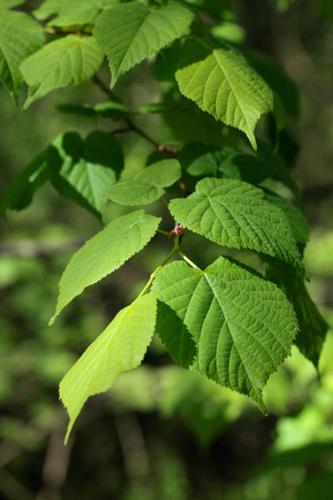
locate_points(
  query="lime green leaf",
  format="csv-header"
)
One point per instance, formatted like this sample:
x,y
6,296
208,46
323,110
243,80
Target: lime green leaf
x,y
148,185
132,32
104,253
175,336
121,347
294,216
106,109
48,8
236,214
80,12
226,87
85,170
20,192
68,61
20,36
243,325
312,326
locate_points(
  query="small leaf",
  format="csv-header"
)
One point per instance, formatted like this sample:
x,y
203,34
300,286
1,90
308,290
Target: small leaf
x,y
106,109
68,61
48,8
85,170
20,36
120,348
235,214
226,87
132,32
242,324
147,186
20,192
312,326
175,336
80,12
104,253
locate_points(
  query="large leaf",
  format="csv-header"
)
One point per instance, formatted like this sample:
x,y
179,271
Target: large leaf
x,y
21,190
236,214
121,347
243,325
20,36
104,253
148,185
312,326
175,335
226,87
132,32
64,62
85,170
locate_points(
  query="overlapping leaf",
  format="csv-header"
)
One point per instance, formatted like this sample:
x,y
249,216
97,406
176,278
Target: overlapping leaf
x,y
237,215
64,62
243,325
121,347
85,170
20,36
104,253
148,185
132,32
226,87
80,12
312,326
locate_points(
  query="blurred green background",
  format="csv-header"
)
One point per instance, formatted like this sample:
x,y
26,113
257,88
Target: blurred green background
x,y
161,433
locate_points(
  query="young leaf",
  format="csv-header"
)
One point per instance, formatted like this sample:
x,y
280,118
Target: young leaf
x,y
175,336
70,60
20,36
85,170
243,325
236,214
148,185
132,32
226,87
312,326
104,253
121,347
20,192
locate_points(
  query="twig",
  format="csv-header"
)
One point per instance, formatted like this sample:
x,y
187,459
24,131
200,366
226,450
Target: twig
x,y
131,125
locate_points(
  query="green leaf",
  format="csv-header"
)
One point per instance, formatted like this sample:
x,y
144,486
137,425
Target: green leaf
x,y
175,336
132,32
312,326
85,170
147,186
226,87
294,216
20,192
106,109
119,348
80,12
64,62
20,36
48,8
104,253
243,325
236,214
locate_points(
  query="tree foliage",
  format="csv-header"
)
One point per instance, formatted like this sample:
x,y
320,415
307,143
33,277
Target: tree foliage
x,y
232,323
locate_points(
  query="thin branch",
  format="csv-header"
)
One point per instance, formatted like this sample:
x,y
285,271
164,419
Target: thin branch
x,y
131,125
